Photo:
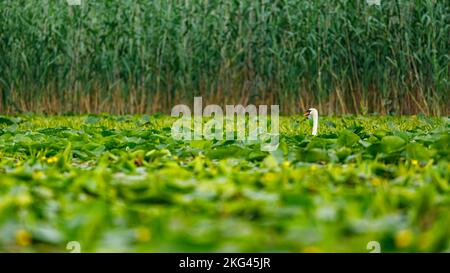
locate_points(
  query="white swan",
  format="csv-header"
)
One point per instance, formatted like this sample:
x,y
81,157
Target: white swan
x,y
314,114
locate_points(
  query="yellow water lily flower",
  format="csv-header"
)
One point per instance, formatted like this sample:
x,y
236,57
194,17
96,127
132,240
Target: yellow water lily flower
x,y
286,164
37,174
23,237
312,249
52,159
404,238
143,234
269,177
376,182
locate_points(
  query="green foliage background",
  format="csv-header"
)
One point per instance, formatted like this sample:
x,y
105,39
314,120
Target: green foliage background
x,y
145,56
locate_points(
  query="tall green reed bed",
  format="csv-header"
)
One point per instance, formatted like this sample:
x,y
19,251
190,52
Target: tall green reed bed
x,y
122,183
146,56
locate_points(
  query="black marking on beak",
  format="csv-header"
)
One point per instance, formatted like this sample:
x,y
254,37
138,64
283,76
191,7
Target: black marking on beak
x,y
307,113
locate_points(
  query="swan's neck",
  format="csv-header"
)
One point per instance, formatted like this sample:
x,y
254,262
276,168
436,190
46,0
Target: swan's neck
x,y
315,118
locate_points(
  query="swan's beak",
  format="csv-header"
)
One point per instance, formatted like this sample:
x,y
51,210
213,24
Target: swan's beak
x,y
307,113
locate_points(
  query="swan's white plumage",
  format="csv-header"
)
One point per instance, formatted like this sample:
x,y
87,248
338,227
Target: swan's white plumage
x,y
313,114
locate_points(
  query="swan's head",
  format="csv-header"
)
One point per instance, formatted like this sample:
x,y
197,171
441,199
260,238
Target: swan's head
x,y
311,112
